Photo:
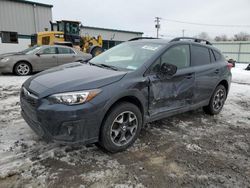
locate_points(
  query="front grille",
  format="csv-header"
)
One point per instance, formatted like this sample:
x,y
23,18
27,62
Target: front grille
x,y
29,97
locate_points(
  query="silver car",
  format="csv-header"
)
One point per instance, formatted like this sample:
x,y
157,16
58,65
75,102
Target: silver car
x,y
39,58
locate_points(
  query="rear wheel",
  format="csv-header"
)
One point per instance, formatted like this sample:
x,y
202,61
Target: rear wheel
x,y
22,69
217,101
121,127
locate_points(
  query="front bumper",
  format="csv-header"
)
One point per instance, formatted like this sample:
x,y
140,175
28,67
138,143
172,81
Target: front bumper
x,y
5,69
61,123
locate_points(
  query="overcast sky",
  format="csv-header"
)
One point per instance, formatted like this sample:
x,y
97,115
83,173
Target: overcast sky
x,y
138,15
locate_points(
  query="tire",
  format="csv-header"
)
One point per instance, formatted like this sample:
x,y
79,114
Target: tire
x,y
22,69
121,127
217,101
96,51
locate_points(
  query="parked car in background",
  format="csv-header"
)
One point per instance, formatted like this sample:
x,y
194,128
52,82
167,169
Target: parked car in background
x,y
39,58
109,99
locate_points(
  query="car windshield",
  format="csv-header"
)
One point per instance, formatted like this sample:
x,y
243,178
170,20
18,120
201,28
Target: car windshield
x,y
130,55
31,50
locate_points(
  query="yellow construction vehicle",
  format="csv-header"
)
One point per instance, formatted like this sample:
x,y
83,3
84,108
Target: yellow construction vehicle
x,y
68,33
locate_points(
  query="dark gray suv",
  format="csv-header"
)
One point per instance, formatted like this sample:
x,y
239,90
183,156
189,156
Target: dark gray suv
x,y
109,99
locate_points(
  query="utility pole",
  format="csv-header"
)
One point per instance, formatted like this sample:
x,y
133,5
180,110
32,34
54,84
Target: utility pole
x,y
183,32
157,26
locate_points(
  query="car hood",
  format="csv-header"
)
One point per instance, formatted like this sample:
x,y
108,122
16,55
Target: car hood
x,y
71,77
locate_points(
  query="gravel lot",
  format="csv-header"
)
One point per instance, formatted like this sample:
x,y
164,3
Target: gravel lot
x,y
189,150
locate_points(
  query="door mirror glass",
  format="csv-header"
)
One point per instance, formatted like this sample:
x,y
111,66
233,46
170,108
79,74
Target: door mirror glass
x,y
168,70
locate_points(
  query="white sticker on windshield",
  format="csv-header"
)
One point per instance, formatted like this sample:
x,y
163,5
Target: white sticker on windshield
x,y
153,48
131,67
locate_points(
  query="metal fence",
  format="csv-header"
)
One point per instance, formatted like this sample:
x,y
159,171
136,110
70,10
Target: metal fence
x,y
237,50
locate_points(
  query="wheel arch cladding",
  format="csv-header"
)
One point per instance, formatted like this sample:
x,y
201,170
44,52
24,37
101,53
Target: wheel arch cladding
x,y
225,84
130,99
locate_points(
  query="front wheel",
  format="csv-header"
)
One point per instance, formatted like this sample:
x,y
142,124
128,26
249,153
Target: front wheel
x,y
217,101
121,127
22,69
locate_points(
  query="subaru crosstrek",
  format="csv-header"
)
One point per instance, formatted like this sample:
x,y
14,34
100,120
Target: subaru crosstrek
x,y
108,99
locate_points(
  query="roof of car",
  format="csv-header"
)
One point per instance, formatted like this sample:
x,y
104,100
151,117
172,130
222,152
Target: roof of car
x,y
55,46
175,40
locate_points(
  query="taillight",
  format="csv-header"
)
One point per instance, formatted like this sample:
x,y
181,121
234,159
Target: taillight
x,y
229,66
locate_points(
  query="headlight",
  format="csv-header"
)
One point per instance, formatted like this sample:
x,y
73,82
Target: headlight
x,y
73,98
4,60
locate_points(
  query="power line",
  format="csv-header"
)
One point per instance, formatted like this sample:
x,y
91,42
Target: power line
x,y
203,24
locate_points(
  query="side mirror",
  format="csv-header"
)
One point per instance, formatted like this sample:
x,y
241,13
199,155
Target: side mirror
x,y
38,54
168,70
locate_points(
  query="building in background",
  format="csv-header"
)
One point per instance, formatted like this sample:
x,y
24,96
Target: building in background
x,y
237,50
19,20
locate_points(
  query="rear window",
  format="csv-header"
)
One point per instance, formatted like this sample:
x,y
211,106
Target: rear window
x,y
200,55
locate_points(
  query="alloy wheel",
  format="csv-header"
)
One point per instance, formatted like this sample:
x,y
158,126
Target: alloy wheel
x,y
219,99
23,69
124,128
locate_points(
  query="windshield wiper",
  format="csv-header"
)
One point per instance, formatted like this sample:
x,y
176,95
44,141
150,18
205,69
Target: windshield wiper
x,y
109,66
104,65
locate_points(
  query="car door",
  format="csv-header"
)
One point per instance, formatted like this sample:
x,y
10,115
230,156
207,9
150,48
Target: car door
x,y
66,55
46,58
169,94
206,72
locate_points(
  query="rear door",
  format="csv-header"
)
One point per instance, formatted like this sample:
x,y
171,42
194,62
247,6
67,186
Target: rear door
x,y
206,71
66,55
47,58
166,94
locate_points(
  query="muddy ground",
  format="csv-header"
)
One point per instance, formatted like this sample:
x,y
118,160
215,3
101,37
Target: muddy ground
x,y
187,150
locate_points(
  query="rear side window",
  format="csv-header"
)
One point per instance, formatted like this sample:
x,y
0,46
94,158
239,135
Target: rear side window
x,y
217,55
65,51
200,55
212,58
178,56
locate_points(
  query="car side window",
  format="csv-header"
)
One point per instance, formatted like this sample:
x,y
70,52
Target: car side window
x,y
65,51
178,56
200,55
155,67
217,55
212,58
51,50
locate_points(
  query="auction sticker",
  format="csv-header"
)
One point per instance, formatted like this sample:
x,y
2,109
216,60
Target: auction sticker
x,y
153,48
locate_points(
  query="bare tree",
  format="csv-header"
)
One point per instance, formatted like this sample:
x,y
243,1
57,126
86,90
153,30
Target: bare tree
x,y
203,35
222,37
242,36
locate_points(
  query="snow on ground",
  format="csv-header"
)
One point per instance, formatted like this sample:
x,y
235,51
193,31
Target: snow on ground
x,y
240,75
190,149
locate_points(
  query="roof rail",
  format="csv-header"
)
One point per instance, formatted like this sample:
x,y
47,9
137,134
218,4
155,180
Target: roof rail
x,y
140,38
191,38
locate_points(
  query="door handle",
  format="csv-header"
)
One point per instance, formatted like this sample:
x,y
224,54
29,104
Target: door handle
x,y
216,71
53,56
189,76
